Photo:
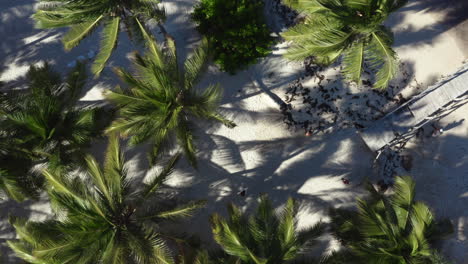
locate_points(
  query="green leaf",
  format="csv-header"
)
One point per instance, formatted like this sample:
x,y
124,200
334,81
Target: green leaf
x,y
156,55
308,6
354,61
195,64
325,43
114,168
110,34
382,58
287,223
79,32
158,180
185,210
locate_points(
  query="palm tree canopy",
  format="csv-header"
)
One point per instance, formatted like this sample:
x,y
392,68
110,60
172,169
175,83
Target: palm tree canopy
x,y
394,229
84,16
352,29
265,237
100,217
42,123
161,101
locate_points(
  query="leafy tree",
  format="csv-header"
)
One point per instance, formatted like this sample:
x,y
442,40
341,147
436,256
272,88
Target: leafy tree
x,y
263,238
43,124
393,229
237,30
84,16
101,218
352,29
162,102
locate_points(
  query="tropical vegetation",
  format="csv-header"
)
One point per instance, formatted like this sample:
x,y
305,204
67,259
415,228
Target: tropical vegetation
x,y
237,30
389,229
43,124
351,29
103,214
82,17
161,103
101,217
266,237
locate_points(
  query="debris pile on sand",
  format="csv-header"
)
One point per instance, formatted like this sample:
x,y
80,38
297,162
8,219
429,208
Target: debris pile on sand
x,y
322,101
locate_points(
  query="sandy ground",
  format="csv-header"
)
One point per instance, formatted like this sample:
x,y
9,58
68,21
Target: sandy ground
x,y
265,155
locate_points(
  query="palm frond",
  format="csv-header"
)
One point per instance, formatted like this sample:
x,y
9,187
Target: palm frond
x,y
195,65
99,178
79,32
230,241
326,44
157,56
185,139
382,58
23,251
354,61
114,168
11,186
59,184
307,6
287,224
109,37
403,199
185,210
158,180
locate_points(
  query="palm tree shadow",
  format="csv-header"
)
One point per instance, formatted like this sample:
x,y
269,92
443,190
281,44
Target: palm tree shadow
x,y
282,168
452,14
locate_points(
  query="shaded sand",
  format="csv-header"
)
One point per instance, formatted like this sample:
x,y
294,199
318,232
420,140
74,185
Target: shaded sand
x,y
262,154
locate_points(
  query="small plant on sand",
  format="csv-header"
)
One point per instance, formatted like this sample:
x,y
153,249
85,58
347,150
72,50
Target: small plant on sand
x,y
266,237
100,217
161,103
42,124
388,229
236,29
353,30
84,16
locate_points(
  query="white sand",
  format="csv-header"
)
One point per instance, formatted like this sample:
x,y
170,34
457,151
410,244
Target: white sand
x,y
261,155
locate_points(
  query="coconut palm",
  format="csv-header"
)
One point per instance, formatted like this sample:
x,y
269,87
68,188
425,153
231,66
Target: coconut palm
x,y
265,237
100,217
393,229
161,103
84,16
42,124
352,29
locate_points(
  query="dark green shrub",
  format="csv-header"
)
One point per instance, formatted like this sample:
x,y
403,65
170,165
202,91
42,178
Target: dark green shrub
x,y
236,29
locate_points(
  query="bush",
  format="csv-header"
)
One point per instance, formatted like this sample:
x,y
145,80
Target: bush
x,y
236,29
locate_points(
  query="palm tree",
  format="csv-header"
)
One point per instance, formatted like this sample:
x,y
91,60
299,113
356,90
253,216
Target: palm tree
x,y
84,16
100,217
42,124
265,237
162,102
393,229
351,29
